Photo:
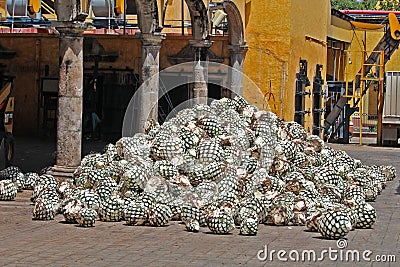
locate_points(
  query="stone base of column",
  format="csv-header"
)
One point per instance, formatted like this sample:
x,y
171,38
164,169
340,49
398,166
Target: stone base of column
x,y
62,172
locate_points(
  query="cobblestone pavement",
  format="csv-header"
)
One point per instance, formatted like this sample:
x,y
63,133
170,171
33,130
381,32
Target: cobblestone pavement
x,y
24,242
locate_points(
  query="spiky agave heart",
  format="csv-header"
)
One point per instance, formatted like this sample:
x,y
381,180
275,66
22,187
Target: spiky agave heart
x,y
8,190
220,165
334,224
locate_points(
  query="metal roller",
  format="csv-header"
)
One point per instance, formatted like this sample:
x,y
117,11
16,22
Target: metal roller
x,y
17,8
103,8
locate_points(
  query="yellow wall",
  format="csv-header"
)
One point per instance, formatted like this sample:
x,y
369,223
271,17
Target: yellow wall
x,y
308,41
173,15
276,35
267,32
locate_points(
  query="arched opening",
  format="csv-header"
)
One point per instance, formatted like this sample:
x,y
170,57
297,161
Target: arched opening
x,y
237,45
235,24
199,19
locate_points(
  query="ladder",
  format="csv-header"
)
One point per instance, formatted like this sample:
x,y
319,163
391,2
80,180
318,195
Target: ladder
x,y
363,78
48,8
387,45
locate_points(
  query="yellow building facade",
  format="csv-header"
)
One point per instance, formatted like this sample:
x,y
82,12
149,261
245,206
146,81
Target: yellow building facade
x,y
278,34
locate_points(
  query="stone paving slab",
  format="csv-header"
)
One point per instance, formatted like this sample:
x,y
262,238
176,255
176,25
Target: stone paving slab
x,y
24,242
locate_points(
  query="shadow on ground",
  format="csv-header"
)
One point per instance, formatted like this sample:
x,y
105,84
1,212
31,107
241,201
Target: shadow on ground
x,y
32,154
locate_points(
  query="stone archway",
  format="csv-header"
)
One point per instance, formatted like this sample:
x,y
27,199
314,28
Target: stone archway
x,y
147,12
199,19
235,23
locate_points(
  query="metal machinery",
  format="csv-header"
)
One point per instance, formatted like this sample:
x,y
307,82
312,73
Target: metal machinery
x,y
22,13
103,13
317,101
24,8
391,112
338,119
108,8
302,82
108,13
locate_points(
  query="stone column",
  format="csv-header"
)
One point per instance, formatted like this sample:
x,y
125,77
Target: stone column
x,y
237,53
148,95
200,71
70,91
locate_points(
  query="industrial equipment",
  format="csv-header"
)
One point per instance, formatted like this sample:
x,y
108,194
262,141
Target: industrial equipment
x,y
108,12
24,8
301,83
391,110
317,100
73,10
389,43
108,8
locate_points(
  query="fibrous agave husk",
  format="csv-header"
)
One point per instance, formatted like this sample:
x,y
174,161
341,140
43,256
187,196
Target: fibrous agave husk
x,y
71,210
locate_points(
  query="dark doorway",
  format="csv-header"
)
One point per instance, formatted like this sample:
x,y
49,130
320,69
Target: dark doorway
x,y
92,106
178,98
106,97
214,90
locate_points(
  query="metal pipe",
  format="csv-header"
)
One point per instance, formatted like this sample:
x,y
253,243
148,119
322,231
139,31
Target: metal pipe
x,y
381,98
361,91
369,12
125,16
13,10
334,65
182,17
109,15
339,63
